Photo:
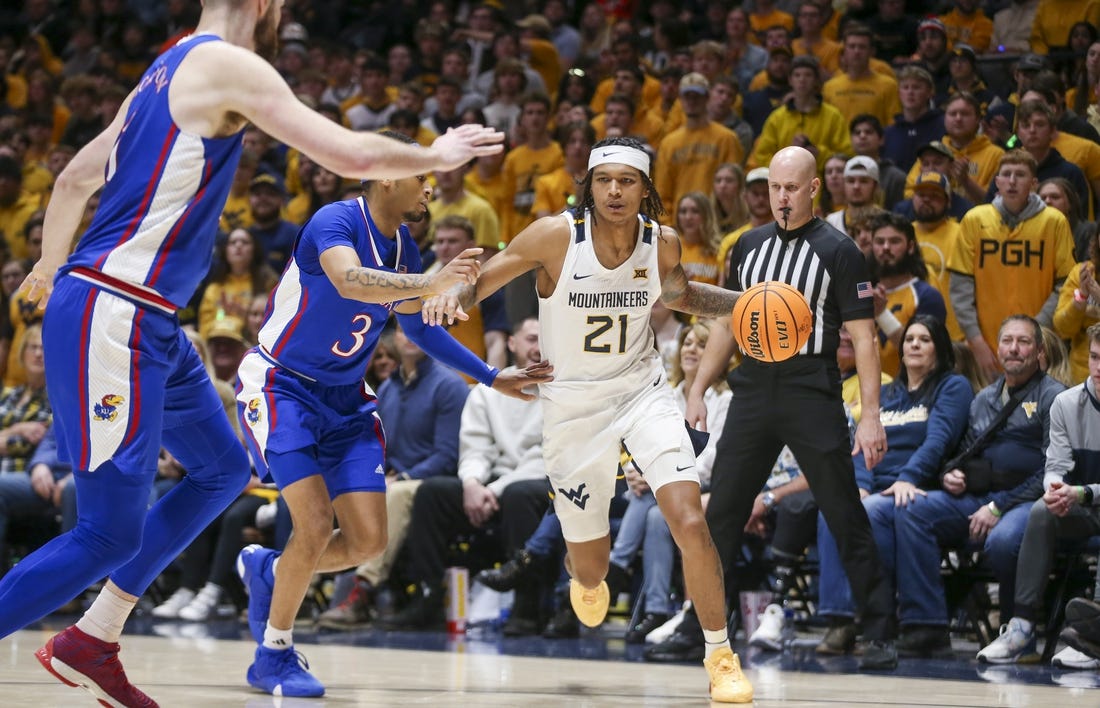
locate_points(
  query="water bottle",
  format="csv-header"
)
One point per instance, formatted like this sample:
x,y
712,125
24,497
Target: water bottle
x,y
789,634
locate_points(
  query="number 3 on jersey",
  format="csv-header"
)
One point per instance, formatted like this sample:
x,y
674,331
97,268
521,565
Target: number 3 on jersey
x,y
357,336
603,323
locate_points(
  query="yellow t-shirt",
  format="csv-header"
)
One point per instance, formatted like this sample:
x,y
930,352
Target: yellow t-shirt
x,y
1015,269
1071,323
687,160
521,168
699,265
936,245
875,93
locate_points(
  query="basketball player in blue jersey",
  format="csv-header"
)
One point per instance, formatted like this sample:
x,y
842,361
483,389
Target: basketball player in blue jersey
x,y
598,271
308,415
122,377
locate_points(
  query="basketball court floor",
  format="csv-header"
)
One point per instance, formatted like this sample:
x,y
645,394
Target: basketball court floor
x,y
186,665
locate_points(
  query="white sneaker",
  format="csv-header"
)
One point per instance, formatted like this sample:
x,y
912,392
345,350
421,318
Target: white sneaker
x,y
769,635
170,608
1070,658
200,609
667,629
1015,645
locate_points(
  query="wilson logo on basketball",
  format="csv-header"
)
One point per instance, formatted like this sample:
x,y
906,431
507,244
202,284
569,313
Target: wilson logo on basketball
x,y
772,321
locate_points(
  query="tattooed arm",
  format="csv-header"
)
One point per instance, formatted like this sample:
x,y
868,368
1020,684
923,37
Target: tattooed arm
x,y
356,282
679,293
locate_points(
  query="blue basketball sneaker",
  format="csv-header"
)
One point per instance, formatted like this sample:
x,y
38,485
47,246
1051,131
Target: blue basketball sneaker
x,y
254,565
283,672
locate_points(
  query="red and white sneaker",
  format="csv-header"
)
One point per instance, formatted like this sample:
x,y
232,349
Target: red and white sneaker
x,y
82,661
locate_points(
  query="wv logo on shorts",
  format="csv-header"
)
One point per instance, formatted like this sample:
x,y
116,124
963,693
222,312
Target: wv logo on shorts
x,y
252,414
578,496
107,408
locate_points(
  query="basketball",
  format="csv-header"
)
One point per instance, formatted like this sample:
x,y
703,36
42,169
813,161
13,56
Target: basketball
x,y
772,321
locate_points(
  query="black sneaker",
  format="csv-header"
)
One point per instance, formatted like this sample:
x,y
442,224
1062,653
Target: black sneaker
x,y
879,655
647,624
678,647
520,626
509,575
424,611
925,642
839,639
564,624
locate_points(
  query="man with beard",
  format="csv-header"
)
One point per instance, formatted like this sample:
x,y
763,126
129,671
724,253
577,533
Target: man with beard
x,y
122,376
266,199
902,289
936,235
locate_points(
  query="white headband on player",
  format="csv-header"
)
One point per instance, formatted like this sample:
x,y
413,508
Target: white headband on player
x,y
620,155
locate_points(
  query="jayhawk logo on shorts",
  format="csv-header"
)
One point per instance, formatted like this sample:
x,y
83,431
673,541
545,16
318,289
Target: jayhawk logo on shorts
x,y
252,414
107,408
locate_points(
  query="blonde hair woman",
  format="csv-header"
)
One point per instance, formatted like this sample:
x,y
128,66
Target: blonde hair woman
x,y
699,237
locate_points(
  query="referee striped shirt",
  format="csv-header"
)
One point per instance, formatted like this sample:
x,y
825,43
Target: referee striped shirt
x,y
823,263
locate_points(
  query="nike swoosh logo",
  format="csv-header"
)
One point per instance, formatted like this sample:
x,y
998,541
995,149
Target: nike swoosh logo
x,y
681,469
581,277
657,382
607,153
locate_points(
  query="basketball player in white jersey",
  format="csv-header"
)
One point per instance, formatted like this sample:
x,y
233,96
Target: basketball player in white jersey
x,y
598,271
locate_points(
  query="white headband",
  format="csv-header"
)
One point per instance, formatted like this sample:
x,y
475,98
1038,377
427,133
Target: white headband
x,y
621,155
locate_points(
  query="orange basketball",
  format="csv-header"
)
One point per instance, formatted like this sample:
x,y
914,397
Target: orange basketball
x,y
772,321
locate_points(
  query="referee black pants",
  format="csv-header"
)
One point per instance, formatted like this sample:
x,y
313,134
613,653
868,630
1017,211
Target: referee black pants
x,y
797,403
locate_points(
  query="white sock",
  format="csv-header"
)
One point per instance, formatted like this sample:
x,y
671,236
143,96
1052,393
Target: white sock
x,y
104,619
715,639
278,638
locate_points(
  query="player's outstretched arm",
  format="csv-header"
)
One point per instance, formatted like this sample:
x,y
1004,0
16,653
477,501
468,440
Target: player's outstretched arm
x,y
74,186
255,90
440,345
541,245
679,293
354,281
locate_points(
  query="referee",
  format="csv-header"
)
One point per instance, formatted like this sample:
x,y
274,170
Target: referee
x,y
797,402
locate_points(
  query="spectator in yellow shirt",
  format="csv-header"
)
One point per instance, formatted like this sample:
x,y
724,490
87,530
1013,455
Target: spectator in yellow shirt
x,y
689,155
966,23
858,89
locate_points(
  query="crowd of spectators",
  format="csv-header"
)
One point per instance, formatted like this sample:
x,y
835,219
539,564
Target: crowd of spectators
x,y
957,143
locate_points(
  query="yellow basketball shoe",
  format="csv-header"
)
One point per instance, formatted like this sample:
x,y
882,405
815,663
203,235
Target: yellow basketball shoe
x,y
590,605
727,683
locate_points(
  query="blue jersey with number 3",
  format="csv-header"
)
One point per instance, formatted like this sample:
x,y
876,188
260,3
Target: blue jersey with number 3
x,y
310,329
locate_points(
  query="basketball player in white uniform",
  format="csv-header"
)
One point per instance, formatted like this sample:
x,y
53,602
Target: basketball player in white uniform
x,y
598,272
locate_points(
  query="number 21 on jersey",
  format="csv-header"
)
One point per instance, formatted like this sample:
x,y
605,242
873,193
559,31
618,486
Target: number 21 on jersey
x,y
605,325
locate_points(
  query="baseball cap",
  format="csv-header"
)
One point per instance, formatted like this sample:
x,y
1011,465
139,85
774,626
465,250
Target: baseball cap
x,y
932,180
932,24
939,147
694,83
760,174
861,166
266,179
293,32
1032,62
535,22
966,52
226,328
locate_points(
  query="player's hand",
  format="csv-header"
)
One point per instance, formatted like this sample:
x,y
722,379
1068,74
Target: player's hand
x,y
38,285
462,270
870,440
459,145
443,309
512,381
695,413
